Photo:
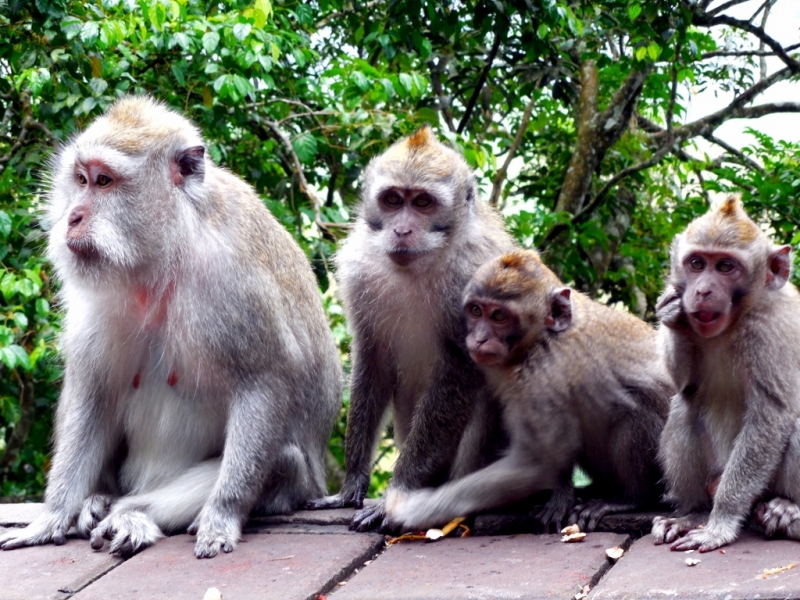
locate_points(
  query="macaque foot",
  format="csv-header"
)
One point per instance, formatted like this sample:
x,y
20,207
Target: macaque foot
x,y
779,516
95,508
215,533
344,499
668,529
47,527
588,514
551,516
710,538
130,532
373,517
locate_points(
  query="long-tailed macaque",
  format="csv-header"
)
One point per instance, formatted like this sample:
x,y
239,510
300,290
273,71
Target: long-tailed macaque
x,y
580,383
420,234
730,325
202,380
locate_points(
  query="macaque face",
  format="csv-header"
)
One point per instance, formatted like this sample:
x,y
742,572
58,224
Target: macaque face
x,y
493,330
411,223
714,285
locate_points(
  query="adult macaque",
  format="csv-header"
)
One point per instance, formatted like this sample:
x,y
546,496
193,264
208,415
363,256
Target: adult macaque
x,y
580,383
202,380
419,236
730,331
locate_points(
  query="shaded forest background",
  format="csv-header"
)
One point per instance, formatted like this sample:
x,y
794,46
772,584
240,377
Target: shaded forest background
x,y
573,113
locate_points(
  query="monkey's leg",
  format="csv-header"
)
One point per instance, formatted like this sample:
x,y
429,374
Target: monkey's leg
x,y
370,392
761,442
136,522
290,484
509,479
558,506
255,433
95,508
781,515
439,421
83,440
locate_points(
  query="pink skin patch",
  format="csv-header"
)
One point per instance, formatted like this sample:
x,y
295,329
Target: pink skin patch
x,y
151,308
173,378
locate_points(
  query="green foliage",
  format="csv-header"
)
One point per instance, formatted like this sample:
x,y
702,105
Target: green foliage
x,y
297,97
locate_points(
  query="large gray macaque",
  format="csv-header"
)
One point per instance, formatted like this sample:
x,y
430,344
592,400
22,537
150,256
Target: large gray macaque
x,y
730,334
202,380
580,383
420,234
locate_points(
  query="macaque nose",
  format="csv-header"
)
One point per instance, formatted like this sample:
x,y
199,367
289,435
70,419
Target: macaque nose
x,y
77,215
402,231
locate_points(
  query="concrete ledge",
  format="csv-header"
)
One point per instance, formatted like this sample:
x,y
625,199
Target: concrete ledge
x,y
648,571
312,555
522,566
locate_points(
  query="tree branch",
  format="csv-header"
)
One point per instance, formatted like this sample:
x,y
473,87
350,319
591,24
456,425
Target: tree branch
x,y
725,6
737,153
736,109
500,176
705,20
302,183
583,161
481,80
436,83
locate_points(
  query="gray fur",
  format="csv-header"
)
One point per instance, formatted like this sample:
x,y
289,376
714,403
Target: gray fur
x,y
734,426
408,349
202,380
589,392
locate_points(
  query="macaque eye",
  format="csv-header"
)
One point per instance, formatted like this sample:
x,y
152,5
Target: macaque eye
x,y
103,180
475,310
423,201
81,179
499,316
392,199
697,264
725,266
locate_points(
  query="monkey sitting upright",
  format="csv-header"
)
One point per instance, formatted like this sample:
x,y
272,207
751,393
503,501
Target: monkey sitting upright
x,y
202,380
580,383
420,234
730,334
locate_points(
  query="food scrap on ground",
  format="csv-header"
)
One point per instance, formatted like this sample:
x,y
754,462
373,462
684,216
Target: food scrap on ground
x,y
572,534
770,572
433,535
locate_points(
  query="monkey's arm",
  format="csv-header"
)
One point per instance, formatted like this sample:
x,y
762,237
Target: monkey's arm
x,y
438,423
371,386
255,444
83,441
768,423
510,478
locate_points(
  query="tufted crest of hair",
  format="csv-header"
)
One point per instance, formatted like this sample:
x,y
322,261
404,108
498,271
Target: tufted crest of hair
x,y
514,275
138,124
420,160
727,226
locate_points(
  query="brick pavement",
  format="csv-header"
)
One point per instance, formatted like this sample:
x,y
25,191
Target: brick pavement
x,y
309,554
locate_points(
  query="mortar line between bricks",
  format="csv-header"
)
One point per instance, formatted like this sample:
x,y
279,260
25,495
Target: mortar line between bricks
x,y
378,548
91,580
626,545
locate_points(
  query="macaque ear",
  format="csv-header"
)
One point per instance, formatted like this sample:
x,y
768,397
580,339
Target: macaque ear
x,y
190,162
779,267
560,316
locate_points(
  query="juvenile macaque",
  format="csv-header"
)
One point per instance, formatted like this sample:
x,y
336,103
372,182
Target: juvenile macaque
x,y
730,325
420,235
202,380
580,383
